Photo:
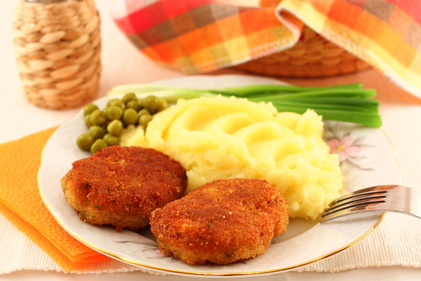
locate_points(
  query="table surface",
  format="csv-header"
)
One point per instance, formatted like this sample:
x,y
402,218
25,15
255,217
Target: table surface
x,y
122,63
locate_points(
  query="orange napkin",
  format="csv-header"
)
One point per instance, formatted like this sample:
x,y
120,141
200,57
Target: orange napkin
x,y
21,203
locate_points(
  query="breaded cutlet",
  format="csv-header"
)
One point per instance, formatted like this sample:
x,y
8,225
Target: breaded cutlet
x,y
221,222
121,186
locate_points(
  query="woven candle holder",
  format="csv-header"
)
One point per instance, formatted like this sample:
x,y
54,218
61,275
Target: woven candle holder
x,y
312,57
58,46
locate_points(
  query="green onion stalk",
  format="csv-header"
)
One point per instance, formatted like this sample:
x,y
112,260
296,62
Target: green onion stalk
x,y
347,103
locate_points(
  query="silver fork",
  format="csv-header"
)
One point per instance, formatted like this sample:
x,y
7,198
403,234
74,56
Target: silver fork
x,y
382,198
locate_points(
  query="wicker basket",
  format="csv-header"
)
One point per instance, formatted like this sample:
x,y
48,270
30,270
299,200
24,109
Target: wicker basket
x,y
57,48
313,56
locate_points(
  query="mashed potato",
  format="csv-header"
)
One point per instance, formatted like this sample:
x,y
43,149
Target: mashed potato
x,y
219,138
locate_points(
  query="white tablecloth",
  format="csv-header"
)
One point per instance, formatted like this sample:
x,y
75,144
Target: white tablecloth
x,y
122,64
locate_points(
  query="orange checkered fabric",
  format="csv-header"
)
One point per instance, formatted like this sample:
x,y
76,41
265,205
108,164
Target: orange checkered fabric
x,y
197,36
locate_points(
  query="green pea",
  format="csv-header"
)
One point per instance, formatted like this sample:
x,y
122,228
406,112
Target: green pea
x,y
105,111
133,104
115,128
145,119
97,145
111,139
151,103
163,105
89,108
84,141
97,117
128,97
129,117
114,112
143,112
116,102
96,132
140,102
87,121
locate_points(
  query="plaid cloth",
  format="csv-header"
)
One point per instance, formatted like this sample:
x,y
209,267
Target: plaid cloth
x,y
197,36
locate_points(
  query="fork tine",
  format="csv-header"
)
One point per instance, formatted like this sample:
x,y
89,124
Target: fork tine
x,y
384,198
358,204
356,199
363,192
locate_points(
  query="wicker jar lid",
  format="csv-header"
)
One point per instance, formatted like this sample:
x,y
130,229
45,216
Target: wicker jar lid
x,y
57,46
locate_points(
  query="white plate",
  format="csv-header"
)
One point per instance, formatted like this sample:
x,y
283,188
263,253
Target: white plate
x,y
303,243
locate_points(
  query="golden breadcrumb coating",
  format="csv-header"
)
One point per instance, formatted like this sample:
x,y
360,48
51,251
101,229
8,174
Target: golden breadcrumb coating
x,y
221,222
121,186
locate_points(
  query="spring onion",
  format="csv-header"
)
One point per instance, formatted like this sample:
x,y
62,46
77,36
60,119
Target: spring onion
x,y
347,103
